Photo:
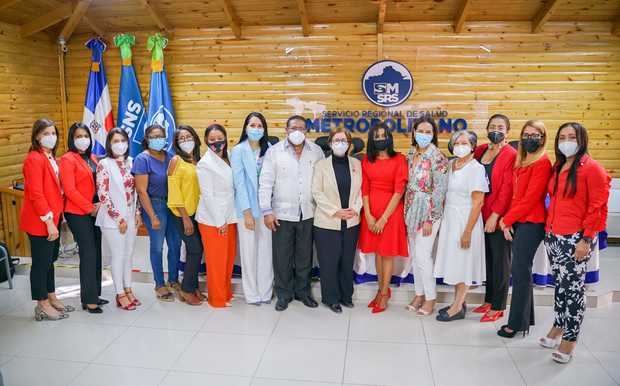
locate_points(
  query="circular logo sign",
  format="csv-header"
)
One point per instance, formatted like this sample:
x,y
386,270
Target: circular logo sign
x,y
387,83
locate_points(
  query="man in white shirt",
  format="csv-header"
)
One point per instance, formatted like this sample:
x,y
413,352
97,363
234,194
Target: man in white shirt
x,y
285,198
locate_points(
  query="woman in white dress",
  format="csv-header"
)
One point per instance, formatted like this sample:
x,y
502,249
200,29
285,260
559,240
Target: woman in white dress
x,y
460,245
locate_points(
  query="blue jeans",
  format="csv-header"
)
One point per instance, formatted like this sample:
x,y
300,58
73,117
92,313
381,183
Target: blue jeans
x,y
170,233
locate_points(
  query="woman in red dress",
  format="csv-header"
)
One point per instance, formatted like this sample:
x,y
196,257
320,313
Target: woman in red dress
x,y
383,231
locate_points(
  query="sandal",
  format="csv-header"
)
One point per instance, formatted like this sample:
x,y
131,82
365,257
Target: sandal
x,y
561,357
201,295
165,297
133,299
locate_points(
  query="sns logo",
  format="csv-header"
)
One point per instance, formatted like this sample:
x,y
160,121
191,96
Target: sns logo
x,y
387,83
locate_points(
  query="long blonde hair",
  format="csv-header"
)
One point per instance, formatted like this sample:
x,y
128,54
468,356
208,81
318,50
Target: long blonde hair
x,y
522,154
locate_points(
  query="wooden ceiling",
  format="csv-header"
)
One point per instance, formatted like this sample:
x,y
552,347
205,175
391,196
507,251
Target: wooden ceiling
x,y
64,17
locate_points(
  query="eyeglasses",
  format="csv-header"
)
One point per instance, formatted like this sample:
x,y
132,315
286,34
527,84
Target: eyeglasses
x,y
532,136
185,139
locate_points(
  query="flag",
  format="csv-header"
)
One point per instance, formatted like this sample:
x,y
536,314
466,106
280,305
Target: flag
x,y
160,103
131,113
97,107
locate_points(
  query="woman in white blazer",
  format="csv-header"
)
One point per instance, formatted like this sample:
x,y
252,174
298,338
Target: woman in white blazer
x,y
216,216
117,214
246,160
336,189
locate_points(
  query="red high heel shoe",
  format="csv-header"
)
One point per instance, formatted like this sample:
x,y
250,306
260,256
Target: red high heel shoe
x,y
377,309
128,307
483,309
373,302
135,300
492,318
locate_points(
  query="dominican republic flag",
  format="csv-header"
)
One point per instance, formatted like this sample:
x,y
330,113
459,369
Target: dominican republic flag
x,y
131,112
97,106
160,102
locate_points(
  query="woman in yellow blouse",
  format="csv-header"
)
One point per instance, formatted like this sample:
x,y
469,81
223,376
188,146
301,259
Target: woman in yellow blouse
x,y
183,195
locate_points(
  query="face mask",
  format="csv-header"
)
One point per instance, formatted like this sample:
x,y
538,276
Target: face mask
x,y
496,137
255,133
461,150
568,148
296,137
48,141
382,144
119,148
187,146
530,144
340,148
82,143
217,146
423,140
157,144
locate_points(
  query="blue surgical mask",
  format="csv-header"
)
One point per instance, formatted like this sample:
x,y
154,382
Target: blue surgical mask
x,y
255,133
157,144
423,140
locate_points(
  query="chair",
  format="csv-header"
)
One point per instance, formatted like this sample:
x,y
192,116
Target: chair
x,y
324,145
273,139
4,256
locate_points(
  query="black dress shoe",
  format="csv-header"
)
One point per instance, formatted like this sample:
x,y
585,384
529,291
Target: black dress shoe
x,y
444,317
96,310
347,304
445,309
281,305
308,301
335,307
102,302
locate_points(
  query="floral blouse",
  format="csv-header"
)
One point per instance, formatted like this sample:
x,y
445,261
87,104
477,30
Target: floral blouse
x,y
426,189
103,187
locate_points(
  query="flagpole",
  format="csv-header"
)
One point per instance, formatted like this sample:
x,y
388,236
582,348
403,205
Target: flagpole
x,y
62,49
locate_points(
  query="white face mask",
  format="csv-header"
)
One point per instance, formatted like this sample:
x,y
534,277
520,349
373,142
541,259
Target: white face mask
x,y
461,150
339,148
119,148
48,141
187,146
568,148
296,137
82,143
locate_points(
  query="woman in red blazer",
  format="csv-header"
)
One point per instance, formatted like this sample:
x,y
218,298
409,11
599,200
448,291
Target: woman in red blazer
x,y
498,159
524,223
40,218
78,169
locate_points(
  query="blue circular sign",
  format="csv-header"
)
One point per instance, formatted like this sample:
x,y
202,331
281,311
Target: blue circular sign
x,y
387,83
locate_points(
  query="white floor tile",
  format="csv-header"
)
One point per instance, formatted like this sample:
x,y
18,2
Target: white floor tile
x,y
243,320
538,368
600,334
39,372
177,378
462,365
303,359
286,382
610,362
299,321
146,347
173,315
387,364
9,299
223,354
394,325
5,358
104,375
610,312
468,332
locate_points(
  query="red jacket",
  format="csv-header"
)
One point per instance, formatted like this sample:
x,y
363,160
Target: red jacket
x,y
42,194
498,200
78,183
585,211
528,193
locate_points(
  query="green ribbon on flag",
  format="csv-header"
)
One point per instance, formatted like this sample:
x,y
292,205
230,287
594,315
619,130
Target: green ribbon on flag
x,y
124,42
156,44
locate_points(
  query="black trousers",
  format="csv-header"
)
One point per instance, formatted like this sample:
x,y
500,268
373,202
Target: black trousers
x,y
336,252
525,242
88,238
292,258
193,255
497,269
44,254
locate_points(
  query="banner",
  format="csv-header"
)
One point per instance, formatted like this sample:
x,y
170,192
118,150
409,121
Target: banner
x,y
131,112
97,107
160,102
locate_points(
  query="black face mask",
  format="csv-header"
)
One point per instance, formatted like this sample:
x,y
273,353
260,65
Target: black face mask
x,y
217,146
382,144
496,137
530,144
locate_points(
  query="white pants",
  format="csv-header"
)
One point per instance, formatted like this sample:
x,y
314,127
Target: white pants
x,y
256,261
421,253
119,249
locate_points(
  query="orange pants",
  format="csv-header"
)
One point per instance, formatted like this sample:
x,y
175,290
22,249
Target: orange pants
x,y
220,251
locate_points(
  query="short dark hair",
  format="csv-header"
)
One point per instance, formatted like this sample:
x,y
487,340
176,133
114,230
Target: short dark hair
x,y
71,142
37,127
217,126
371,150
418,122
148,131
195,156
108,142
263,142
295,118
502,117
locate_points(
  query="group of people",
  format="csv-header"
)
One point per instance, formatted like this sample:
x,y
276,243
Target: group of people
x,y
478,216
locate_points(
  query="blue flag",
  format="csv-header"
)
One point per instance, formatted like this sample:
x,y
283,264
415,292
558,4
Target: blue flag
x,y
131,112
160,102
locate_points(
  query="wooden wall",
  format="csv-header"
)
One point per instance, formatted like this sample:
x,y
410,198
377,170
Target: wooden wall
x,y
569,72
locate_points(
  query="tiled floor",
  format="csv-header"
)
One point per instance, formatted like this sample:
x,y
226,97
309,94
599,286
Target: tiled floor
x,y
174,344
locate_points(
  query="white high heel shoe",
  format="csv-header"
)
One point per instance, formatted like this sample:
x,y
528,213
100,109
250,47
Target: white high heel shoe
x,y
548,342
560,357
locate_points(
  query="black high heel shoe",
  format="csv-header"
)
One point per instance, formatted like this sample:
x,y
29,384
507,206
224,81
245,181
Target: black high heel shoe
x,y
96,310
505,334
102,302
